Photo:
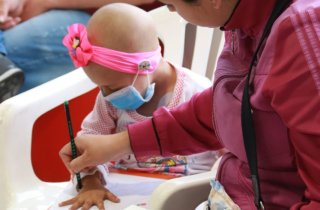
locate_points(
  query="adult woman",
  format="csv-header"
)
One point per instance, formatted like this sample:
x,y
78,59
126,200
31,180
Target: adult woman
x,y
286,119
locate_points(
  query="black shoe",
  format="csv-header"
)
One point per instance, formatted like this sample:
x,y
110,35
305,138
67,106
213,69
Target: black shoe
x,y
11,78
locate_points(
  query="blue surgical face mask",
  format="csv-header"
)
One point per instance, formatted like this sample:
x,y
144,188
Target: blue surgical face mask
x,y
129,98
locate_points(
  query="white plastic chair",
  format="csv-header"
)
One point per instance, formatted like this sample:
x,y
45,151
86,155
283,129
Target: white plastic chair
x,y
20,186
31,173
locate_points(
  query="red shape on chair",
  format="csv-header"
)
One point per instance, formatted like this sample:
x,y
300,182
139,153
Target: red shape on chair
x,y
50,133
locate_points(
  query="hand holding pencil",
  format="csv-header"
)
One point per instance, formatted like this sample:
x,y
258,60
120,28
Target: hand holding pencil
x,y
93,150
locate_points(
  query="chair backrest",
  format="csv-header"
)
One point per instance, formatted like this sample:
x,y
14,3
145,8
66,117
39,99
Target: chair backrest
x,y
187,44
50,133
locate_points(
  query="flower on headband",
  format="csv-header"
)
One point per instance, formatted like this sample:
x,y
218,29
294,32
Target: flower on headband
x,y
80,49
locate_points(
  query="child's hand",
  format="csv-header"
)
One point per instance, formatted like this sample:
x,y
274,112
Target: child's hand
x,y
88,198
92,193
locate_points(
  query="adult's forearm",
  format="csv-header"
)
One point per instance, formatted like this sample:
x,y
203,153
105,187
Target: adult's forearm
x,y
185,129
84,4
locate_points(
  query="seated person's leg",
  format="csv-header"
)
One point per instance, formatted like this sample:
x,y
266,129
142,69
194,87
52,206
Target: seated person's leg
x,y
11,77
36,45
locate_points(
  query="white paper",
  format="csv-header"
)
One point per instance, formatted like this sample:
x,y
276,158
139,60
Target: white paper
x,y
132,191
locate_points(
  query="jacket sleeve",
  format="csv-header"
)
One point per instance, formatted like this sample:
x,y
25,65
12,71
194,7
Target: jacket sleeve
x,y
294,89
184,130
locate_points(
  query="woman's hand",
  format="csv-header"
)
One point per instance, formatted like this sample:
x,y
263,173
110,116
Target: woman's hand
x,y
94,150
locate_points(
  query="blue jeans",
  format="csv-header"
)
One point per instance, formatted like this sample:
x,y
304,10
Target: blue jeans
x,y
36,45
2,47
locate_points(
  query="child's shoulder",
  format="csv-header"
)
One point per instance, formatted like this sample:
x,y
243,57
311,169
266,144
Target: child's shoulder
x,y
188,83
193,77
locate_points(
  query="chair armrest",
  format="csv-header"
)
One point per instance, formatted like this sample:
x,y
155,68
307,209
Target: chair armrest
x,y
182,193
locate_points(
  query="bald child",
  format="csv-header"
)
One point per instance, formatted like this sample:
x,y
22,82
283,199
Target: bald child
x,y
120,52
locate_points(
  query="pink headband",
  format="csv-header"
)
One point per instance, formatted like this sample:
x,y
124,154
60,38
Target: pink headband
x,y
81,52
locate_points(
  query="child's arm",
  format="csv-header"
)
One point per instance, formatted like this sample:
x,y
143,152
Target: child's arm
x,y
93,192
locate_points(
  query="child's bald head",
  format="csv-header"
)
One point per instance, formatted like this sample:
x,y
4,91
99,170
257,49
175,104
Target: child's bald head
x,y
123,27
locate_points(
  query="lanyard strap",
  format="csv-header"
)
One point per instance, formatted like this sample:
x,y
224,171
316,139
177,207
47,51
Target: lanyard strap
x,y
249,137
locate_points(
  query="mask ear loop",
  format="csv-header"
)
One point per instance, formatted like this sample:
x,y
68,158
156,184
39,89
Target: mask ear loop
x,y
136,76
148,78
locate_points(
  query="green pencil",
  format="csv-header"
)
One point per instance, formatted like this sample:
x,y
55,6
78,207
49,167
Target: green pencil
x,y
73,144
